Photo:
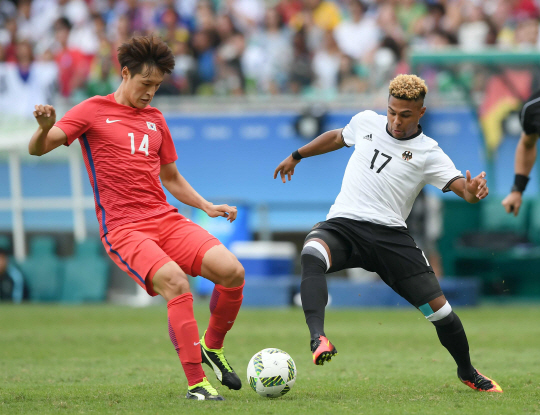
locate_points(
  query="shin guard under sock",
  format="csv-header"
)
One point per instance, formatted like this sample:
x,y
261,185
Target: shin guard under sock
x,y
185,336
224,306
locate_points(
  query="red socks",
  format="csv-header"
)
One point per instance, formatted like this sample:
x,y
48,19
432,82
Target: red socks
x,y
185,336
224,306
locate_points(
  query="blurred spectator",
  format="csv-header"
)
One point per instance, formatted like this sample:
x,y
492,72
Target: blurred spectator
x,y
246,14
316,18
10,40
123,31
348,81
72,63
171,27
25,29
104,75
205,57
7,11
434,20
205,16
300,73
12,287
473,32
439,39
326,63
269,55
322,13
288,8
349,33
388,22
256,46
185,69
25,82
409,14
230,76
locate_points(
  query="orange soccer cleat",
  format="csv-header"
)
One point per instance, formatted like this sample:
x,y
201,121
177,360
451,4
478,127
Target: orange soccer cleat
x,y
322,350
482,383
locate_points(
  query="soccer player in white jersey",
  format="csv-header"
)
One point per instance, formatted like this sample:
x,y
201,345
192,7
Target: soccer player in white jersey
x,y
393,159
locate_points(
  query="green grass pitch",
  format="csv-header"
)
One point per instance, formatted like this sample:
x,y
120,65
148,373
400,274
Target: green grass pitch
x,y
119,360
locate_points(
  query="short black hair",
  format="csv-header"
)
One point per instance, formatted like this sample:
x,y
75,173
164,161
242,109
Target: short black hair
x,y
62,23
149,50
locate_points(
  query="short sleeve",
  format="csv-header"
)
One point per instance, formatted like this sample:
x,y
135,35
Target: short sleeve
x,y
167,152
348,135
77,120
529,116
439,170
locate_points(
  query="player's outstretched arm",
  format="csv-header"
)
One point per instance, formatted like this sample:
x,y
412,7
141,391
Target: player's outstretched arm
x,y
325,143
471,189
179,187
524,162
47,137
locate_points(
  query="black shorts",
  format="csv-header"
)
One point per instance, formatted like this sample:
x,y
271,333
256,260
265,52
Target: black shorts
x,y
389,251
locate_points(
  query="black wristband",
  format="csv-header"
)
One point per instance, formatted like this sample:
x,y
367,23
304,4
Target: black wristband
x,y
296,155
520,183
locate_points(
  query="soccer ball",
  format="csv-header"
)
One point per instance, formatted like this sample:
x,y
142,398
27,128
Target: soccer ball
x,y
271,373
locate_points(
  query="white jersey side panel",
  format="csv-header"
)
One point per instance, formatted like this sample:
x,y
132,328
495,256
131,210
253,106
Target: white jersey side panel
x,y
384,175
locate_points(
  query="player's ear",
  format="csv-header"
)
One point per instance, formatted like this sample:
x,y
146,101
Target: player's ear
x,y
125,73
422,111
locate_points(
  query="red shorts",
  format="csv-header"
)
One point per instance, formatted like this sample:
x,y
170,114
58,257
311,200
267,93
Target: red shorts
x,y
141,248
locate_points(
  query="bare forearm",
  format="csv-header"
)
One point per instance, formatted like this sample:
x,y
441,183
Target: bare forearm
x,y
325,143
525,155
182,190
38,142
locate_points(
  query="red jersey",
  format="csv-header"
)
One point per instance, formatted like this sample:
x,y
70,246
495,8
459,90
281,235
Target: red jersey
x,y
123,149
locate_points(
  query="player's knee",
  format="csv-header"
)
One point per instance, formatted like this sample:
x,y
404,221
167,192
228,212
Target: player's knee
x,y
443,316
171,284
233,275
314,257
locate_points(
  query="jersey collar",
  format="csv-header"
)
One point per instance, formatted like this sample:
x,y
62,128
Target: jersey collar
x,y
406,138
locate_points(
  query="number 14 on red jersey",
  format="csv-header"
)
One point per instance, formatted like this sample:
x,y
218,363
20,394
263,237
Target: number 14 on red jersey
x,y
144,144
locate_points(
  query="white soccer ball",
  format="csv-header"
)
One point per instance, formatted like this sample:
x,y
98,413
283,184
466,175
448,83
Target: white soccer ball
x,y
271,373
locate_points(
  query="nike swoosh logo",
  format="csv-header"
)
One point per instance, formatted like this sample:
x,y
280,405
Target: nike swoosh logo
x,y
111,121
195,344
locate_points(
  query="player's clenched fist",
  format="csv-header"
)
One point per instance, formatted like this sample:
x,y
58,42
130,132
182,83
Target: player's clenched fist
x,y
45,116
512,203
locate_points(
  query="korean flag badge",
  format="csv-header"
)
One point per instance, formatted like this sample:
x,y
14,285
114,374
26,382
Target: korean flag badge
x,y
151,125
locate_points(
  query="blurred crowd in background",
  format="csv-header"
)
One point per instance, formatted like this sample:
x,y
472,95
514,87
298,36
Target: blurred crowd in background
x,y
236,47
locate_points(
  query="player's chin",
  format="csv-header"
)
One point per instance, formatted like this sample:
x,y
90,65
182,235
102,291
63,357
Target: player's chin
x,y
143,103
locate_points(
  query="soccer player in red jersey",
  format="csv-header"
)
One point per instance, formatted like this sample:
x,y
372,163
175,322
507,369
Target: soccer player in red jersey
x,y
127,148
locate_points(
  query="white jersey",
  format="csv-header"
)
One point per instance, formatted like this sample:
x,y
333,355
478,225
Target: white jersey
x,y
19,95
384,174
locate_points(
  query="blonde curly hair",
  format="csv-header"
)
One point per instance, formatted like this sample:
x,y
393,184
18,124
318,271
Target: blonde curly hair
x,y
409,87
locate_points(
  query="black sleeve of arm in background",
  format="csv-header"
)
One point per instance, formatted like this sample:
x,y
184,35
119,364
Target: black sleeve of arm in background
x,y
529,115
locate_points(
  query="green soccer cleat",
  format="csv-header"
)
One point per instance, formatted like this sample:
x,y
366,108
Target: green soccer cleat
x,y
322,350
215,358
203,391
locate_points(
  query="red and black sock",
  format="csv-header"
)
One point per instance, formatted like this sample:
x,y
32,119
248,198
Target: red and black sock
x,y
224,306
185,336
